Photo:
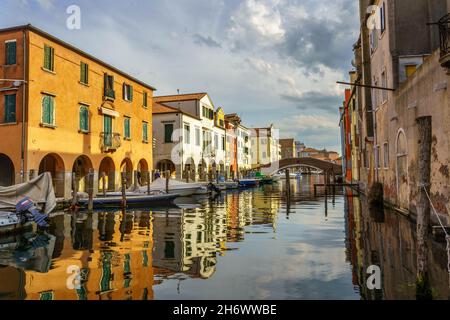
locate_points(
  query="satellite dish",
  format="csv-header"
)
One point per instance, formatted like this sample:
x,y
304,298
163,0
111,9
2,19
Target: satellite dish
x,y
17,83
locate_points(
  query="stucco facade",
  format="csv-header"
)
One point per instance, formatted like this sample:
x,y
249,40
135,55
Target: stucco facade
x,y
61,147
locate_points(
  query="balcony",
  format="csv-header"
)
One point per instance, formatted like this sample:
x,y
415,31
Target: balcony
x,y
444,37
110,94
110,142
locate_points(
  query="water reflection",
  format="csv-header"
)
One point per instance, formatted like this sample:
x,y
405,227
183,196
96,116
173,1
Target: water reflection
x,y
239,245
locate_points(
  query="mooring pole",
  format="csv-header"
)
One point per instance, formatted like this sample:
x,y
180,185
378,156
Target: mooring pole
x,y
148,181
104,183
217,176
187,173
91,190
167,181
74,189
423,290
288,185
124,189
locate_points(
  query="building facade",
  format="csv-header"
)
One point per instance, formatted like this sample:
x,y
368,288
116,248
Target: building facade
x,y
265,146
405,65
200,142
66,111
287,148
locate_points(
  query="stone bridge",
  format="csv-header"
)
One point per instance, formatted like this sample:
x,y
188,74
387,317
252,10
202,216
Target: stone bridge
x,y
274,167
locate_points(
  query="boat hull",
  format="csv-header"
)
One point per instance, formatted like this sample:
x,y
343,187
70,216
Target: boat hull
x,y
132,201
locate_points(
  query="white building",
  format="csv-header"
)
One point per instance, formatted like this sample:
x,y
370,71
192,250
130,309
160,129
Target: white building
x,y
188,136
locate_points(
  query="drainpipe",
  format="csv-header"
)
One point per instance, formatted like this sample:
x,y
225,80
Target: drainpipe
x,y
22,147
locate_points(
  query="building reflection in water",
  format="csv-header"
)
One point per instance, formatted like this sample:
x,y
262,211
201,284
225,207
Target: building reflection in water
x,y
388,240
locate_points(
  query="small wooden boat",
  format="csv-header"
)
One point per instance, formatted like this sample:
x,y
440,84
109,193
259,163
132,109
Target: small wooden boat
x,y
11,222
132,201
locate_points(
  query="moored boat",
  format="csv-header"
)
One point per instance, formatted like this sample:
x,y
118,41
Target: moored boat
x,y
248,183
132,201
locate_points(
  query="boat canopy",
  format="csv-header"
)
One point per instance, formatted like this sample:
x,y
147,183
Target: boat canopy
x,y
40,190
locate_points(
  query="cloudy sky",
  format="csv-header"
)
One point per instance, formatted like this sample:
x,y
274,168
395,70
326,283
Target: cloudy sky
x,y
271,61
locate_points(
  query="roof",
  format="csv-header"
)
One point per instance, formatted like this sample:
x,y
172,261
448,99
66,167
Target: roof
x,y
180,97
159,108
44,34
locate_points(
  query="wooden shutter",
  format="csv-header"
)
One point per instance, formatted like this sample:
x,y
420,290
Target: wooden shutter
x,y
168,129
124,89
10,108
11,50
51,110
145,102
52,59
127,128
130,96
144,131
46,57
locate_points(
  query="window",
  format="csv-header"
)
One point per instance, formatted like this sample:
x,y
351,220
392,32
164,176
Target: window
x,y
221,123
216,141
386,155
223,143
10,108
187,134
383,17
127,92
144,131
145,99
264,154
197,136
49,58
410,70
10,52
84,73
84,118
109,86
48,110
384,93
126,128
168,131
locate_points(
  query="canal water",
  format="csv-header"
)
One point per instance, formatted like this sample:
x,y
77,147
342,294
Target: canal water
x,y
246,244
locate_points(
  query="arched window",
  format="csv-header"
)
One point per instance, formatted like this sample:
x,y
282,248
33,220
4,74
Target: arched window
x,y
84,118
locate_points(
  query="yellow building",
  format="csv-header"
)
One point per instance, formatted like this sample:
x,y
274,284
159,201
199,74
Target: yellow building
x,y
79,114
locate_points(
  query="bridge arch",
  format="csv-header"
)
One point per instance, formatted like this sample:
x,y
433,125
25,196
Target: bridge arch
x,y
274,167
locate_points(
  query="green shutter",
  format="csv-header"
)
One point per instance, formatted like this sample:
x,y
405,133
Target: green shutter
x,y
10,108
168,130
131,92
127,128
52,59
46,57
84,118
45,110
84,73
52,110
145,99
124,88
11,49
144,131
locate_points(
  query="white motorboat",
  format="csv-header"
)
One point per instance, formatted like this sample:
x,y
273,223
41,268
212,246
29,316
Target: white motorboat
x,y
183,189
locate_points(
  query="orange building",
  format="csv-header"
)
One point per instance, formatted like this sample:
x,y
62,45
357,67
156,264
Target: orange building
x,y
63,111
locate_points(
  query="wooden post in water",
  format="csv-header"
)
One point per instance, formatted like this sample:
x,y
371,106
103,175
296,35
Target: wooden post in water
x,y
104,183
167,181
136,179
288,185
124,189
91,190
74,189
217,176
423,290
148,181
187,174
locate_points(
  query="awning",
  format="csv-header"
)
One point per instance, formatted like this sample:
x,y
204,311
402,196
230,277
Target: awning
x,y
109,112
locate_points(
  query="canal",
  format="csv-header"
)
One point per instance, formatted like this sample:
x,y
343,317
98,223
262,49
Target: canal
x,y
240,245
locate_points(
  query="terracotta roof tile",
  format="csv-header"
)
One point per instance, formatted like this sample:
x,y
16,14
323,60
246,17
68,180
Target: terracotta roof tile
x,y
180,97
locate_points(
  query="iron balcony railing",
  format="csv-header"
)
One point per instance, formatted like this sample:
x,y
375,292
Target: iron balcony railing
x,y
110,141
110,93
444,34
